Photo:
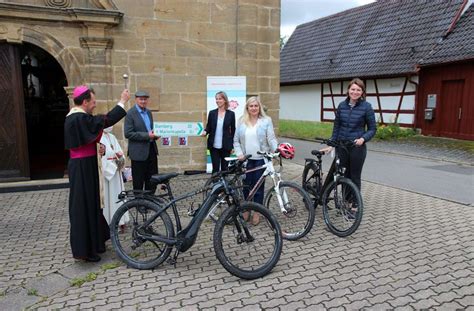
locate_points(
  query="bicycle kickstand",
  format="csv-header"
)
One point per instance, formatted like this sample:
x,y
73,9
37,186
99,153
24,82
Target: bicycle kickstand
x,y
172,260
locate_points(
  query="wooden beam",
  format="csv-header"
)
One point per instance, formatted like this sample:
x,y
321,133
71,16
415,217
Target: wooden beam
x,y
401,99
378,100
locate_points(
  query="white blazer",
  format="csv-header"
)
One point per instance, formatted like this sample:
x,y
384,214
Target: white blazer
x,y
265,134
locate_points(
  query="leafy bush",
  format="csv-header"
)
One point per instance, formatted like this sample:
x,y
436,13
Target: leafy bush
x,y
393,131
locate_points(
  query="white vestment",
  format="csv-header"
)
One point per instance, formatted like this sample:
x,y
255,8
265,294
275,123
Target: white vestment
x,y
113,182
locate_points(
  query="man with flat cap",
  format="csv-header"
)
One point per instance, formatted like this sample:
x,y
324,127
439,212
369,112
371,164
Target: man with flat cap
x,y
142,147
82,133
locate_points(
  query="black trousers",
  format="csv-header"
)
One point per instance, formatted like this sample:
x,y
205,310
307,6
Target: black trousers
x,y
143,170
353,161
217,158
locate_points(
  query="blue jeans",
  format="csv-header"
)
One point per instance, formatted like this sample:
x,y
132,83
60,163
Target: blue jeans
x,y
252,178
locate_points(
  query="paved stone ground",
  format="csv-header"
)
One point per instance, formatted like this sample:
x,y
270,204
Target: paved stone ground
x,y
411,252
440,151
436,148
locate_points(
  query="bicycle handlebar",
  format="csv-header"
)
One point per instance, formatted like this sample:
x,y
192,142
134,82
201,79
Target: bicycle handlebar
x,y
269,155
335,143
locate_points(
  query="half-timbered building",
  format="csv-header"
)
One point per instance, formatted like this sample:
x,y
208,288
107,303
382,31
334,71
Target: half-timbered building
x,y
380,43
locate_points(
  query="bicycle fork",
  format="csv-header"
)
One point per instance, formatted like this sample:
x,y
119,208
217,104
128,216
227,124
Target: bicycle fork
x,y
282,198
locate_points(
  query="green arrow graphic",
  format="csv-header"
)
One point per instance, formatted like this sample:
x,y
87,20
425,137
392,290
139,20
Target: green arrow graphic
x,y
200,128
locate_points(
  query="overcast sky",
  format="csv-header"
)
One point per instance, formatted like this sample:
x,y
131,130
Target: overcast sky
x,y
296,12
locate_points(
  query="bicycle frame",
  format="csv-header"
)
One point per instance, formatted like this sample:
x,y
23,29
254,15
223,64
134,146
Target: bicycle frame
x,y
275,176
335,170
186,237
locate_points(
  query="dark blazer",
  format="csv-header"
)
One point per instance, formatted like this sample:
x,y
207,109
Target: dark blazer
x,y
137,134
228,129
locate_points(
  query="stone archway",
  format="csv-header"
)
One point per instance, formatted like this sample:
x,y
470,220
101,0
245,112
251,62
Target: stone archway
x,y
38,107
46,105
56,49
48,159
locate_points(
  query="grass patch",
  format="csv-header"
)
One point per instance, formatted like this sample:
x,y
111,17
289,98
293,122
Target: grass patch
x,y
88,278
32,292
92,276
305,129
109,266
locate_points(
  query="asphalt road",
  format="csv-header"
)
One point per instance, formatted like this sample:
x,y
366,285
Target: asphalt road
x,y
444,180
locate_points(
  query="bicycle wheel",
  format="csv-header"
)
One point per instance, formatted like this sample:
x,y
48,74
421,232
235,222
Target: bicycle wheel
x,y
137,252
298,218
312,180
342,207
244,250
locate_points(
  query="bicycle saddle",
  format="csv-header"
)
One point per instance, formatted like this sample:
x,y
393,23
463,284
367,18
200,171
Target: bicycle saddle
x,y
162,178
317,153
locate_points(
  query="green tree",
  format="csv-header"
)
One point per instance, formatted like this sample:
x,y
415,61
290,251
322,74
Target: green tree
x,y
283,41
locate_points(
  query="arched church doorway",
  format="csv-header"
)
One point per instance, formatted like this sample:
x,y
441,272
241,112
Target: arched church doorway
x,y
46,105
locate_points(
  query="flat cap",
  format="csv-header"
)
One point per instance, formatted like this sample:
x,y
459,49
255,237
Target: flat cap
x,y
142,94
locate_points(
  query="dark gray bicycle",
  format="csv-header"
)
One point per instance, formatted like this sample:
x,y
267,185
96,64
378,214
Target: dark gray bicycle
x,y
143,234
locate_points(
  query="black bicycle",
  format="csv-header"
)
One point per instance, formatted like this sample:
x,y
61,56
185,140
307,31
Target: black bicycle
x,y
143,234
339,197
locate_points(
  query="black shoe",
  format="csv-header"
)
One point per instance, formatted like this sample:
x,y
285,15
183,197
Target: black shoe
x,y
95,258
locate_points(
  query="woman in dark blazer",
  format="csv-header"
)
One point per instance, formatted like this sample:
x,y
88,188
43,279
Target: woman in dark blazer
x,y
220,130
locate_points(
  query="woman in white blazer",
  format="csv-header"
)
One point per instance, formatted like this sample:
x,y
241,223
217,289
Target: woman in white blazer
x,y
254,133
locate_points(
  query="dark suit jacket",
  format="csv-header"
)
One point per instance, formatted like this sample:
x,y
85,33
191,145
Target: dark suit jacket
x,y
137,135
228,129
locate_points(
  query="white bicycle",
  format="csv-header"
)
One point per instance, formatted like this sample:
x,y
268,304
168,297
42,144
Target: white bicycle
x,y
288,201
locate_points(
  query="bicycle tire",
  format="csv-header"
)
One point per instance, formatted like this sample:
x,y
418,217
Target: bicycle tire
x,y
311,180
298,219
342,207
134,251
233,249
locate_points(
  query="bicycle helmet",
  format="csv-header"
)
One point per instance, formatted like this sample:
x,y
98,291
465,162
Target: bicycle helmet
x,y
286,150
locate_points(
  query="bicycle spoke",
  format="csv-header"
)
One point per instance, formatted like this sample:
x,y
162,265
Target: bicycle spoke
x,y
292,208
342,207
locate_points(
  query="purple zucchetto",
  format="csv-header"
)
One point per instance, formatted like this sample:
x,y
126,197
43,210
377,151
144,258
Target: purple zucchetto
x,y
79,90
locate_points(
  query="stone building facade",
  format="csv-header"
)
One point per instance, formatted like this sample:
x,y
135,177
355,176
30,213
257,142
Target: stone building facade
x,y
167,47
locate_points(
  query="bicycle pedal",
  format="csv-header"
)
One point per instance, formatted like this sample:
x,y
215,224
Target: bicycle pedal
x,y
172,262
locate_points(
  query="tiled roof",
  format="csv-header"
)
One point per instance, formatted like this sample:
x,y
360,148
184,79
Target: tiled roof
x,y
383,38
458,45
